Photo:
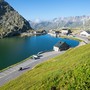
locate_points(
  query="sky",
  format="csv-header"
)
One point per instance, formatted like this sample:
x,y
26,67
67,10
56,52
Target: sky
x,y
49,9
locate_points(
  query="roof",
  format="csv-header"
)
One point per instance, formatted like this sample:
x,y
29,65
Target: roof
x,y
60,43
88,32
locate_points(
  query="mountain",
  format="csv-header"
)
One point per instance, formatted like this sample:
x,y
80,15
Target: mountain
x,y
40,25
11,22
56,23
69,71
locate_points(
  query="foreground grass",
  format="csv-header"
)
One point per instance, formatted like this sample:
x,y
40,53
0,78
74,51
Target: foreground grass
x,y
70,71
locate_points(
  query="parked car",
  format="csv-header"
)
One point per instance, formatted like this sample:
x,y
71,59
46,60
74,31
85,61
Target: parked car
x,y
35,57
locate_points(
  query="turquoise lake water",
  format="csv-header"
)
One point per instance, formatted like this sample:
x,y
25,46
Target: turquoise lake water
x,y
13,50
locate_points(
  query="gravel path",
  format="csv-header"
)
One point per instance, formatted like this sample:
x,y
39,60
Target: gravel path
x,y
14,72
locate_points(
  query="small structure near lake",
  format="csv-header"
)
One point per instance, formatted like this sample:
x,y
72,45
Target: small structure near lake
x,y
40,32
61,46
85,33
66,31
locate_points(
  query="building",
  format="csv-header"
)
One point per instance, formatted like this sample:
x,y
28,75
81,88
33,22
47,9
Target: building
x,y
61,46
52,33
44,32
66,31
34,32
85,33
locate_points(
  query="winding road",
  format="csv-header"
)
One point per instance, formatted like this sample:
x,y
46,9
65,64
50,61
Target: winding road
x,y
14,72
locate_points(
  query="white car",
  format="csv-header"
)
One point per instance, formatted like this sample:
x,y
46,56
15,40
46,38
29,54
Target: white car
x,y
35,56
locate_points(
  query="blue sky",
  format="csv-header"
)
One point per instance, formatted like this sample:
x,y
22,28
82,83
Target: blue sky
x,y
49,9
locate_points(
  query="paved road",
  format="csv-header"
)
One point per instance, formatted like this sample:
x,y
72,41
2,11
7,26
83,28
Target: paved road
x,y
13,72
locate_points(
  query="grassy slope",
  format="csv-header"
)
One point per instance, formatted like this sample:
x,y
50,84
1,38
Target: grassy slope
x,y
70,71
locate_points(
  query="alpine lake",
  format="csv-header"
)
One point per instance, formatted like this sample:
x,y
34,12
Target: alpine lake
x,y
16,49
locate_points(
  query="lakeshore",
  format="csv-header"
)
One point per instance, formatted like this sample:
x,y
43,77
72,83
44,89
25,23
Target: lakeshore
x,y
63,68
14,72
46,47
17,49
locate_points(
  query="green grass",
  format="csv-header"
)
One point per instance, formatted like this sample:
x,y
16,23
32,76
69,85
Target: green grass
x,y
70,71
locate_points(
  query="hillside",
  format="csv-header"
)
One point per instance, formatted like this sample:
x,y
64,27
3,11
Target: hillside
x,y
70,71
11,22
82,22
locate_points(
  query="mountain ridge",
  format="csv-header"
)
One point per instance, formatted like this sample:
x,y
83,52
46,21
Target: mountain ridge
x,y
11,22
56,23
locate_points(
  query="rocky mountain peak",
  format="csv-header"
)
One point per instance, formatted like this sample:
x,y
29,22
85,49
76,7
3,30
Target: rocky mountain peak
x,y
11,22
1,1
57,23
